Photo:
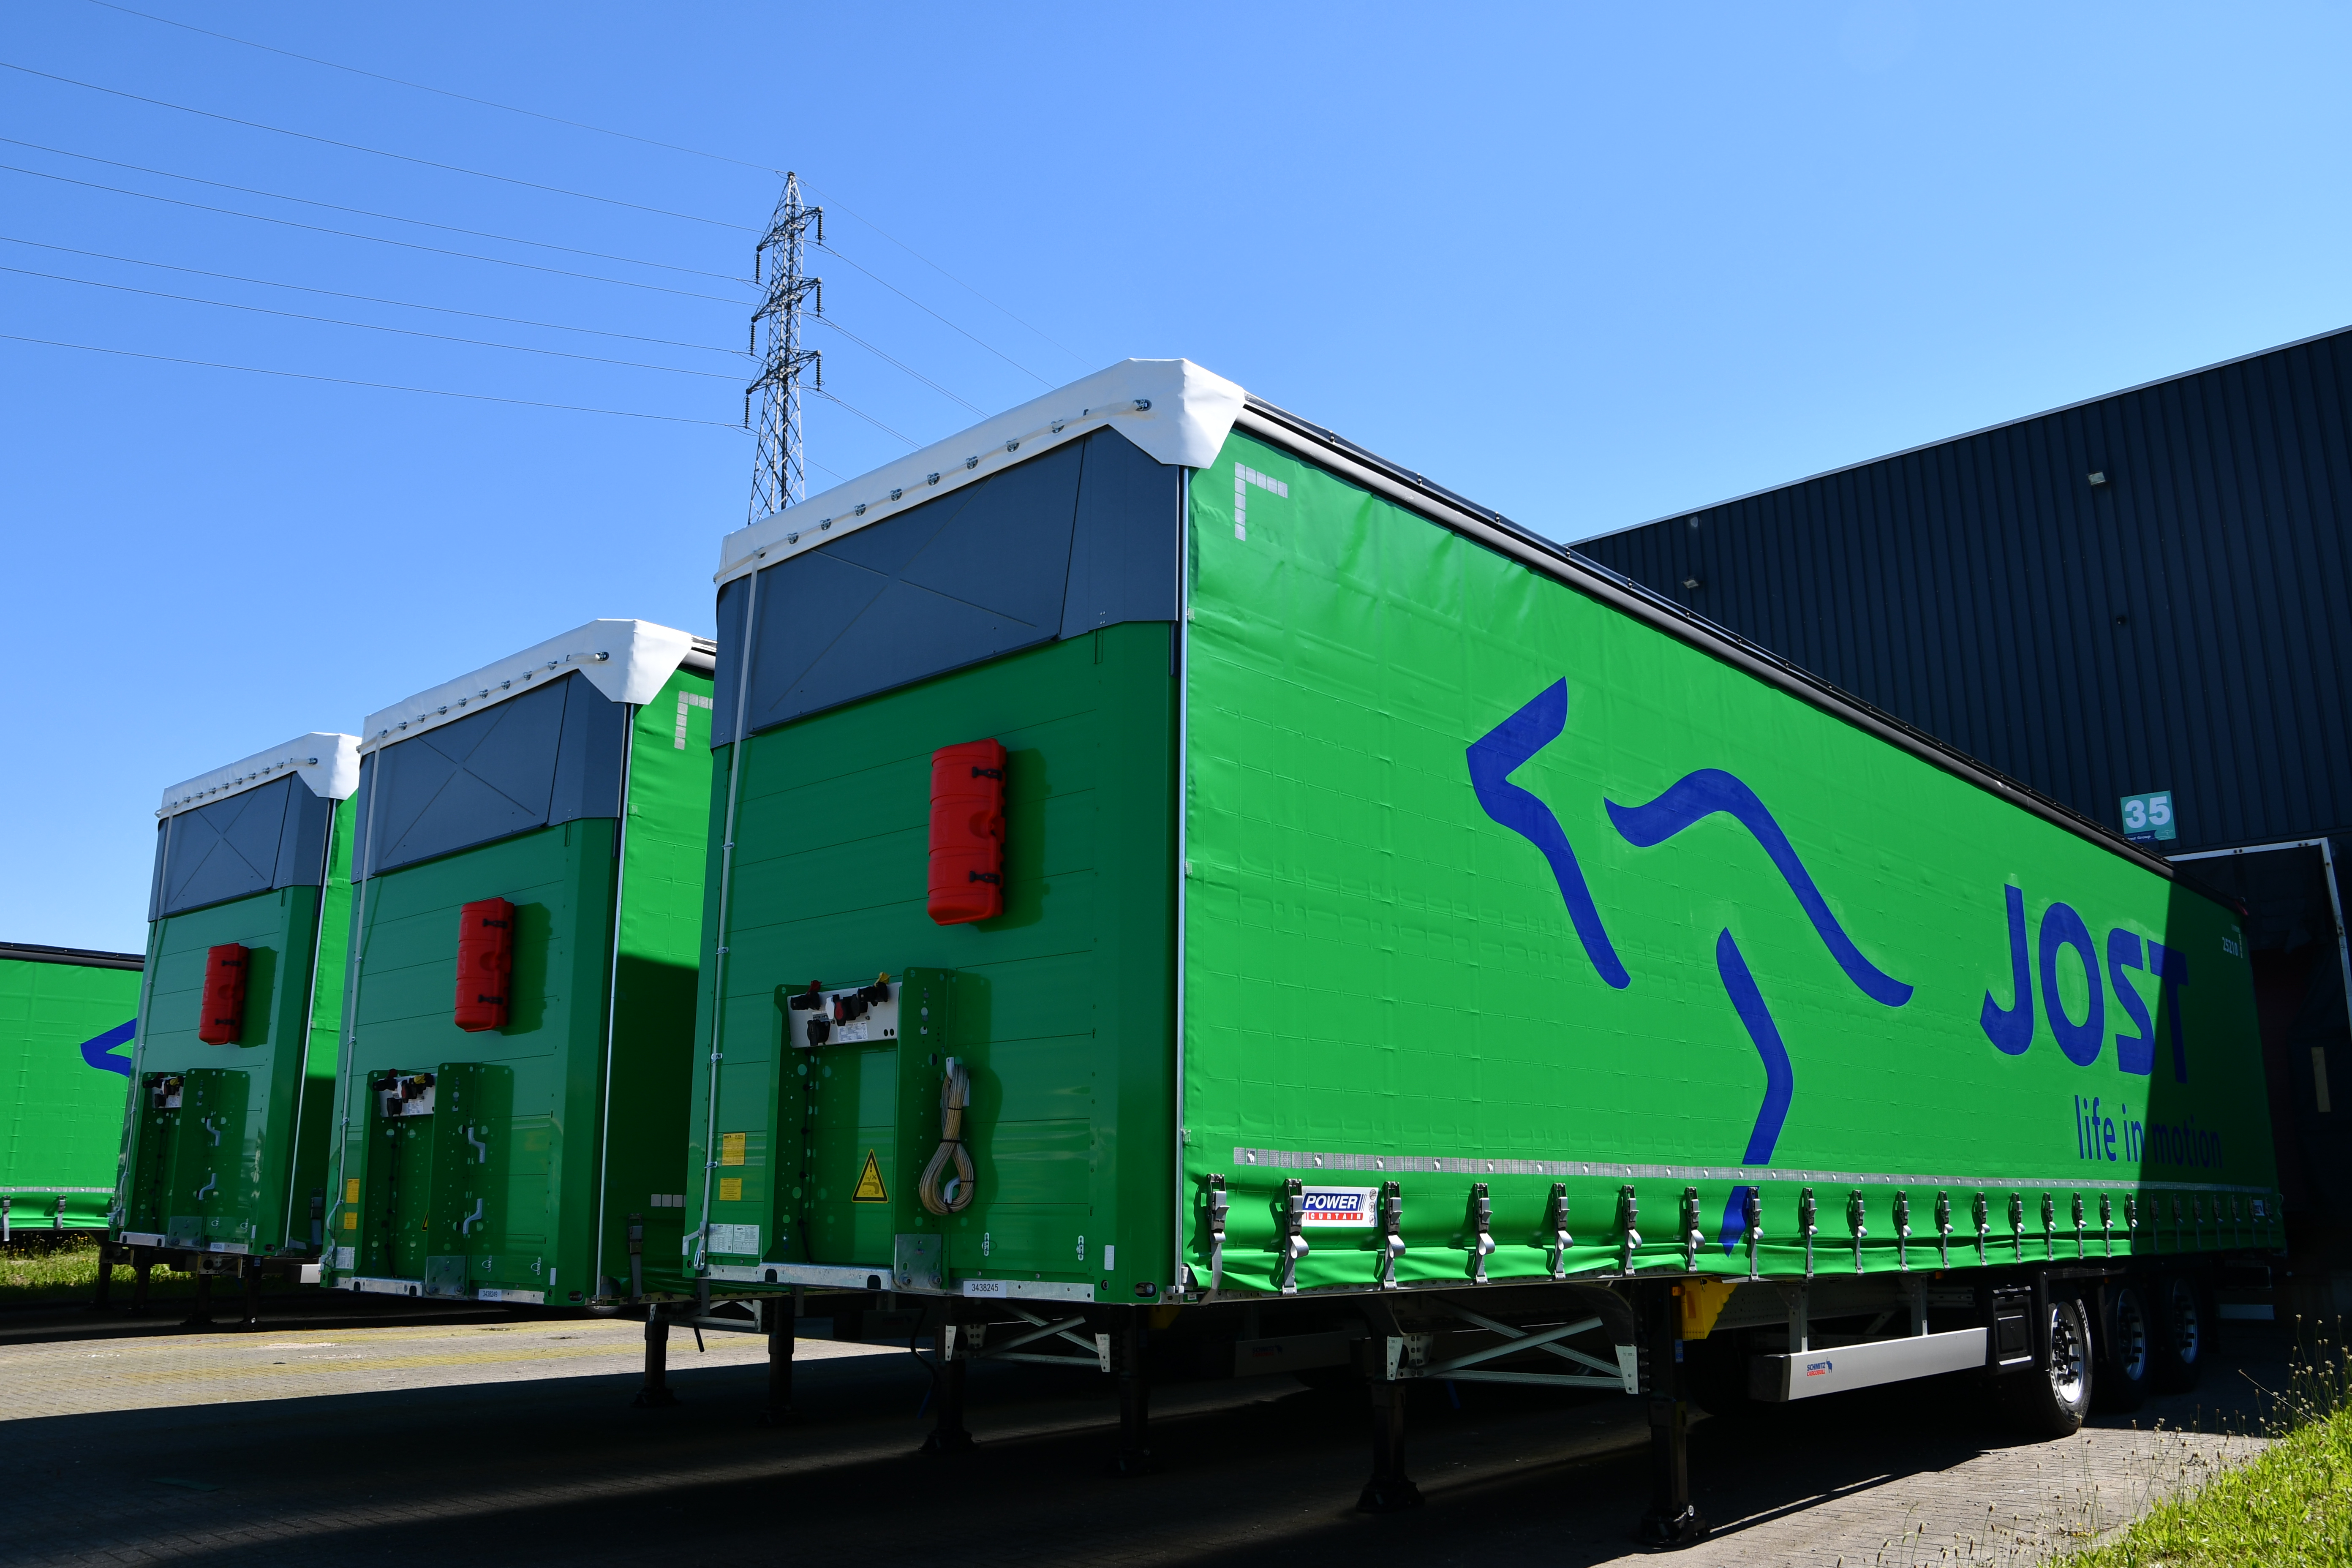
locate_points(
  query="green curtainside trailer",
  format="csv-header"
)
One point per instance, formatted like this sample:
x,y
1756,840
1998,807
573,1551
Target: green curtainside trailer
x,y
66,1016
513,1069
224,1143
1409,934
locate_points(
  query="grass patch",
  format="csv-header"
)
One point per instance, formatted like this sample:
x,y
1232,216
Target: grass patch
x,y
66,1273
2291,1507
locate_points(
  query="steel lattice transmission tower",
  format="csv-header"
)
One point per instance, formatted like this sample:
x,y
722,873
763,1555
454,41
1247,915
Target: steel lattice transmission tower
x,y
778,480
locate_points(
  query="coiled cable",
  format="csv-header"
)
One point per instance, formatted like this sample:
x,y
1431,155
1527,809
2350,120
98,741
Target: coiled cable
x,y
954,1194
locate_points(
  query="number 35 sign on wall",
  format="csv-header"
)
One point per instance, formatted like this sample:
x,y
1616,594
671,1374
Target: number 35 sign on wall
x,y
2148,818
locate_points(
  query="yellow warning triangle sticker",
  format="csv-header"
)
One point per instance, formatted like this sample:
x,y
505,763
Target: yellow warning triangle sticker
x,y
870,1189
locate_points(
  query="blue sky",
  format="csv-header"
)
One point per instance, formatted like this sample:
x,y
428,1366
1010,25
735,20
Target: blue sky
x,y
1589,266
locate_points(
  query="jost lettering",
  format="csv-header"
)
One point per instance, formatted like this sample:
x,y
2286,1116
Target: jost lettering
x,y
2064,944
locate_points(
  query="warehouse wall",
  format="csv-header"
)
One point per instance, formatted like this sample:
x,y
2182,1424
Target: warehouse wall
x,y
2185,625
2182,626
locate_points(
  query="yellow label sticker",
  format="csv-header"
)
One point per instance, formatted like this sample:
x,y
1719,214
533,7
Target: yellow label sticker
x,y
352,1190
730,1148
870,1189
730,1189
350,1219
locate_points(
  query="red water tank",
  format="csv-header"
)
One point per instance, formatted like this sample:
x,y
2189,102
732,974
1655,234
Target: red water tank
x,y
222,1022
967,879
485,963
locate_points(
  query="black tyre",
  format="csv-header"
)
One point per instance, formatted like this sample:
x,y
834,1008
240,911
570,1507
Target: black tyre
x,y
2126,1345
2184,1333
2052,1400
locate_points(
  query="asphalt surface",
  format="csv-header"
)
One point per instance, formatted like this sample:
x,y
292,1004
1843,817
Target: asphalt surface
x,y
336,1435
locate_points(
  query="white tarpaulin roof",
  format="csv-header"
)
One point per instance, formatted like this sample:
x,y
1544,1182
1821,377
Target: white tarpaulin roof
x,y
628,661
1173,410
327,763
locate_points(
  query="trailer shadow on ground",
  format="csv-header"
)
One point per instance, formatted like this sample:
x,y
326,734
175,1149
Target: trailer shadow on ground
x,y
1261,1471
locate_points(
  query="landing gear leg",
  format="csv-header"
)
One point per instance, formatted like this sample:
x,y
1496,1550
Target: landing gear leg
x,y
143,1263
97,1302
948,1434
1674,1520
655,1393
783,1322
1389,1490
200,1315
252,1295
1134,1401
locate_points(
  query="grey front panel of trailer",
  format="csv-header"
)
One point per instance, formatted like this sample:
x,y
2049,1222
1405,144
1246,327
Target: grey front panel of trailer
x,y
1081,537
550,756
1841,1367
274,836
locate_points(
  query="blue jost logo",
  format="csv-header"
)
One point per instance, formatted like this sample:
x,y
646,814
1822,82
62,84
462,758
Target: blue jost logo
x,y
2064,944
1689,800
1692,799
99,1052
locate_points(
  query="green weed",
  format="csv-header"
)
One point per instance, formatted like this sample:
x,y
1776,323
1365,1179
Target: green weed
x,y
2291,1507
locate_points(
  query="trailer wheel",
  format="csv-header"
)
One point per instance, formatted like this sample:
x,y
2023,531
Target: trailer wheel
x,y
2127,1350
2052,1400
2183,1333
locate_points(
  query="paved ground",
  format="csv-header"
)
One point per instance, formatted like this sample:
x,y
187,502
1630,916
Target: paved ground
x,y
328,1438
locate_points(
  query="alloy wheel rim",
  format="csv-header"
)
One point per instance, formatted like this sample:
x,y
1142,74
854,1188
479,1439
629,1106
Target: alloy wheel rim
x,y
2186,1329
2131,1336
2065,1355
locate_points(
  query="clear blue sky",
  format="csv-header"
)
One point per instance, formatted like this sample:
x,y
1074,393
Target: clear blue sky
x,y
1589,265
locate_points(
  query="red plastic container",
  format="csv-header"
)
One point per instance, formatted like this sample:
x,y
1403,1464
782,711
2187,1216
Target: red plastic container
x,y
967,879
485,963
222,1022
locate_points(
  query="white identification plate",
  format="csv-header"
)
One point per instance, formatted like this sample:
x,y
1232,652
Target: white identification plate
x,y
742,1240
1345,1207
343,1258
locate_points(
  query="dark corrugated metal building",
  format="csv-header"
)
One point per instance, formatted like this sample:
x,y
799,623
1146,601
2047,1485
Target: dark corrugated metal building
x,y
2149,591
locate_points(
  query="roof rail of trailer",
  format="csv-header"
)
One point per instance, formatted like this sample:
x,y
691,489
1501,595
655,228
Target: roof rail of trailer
x,y
1490,527
87,957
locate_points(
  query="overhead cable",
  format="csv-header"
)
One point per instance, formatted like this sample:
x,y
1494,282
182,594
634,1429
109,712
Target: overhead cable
x,y
373,238
443,92
601,131
911,370
834,204
366,326
991,348
378,385
376,151
364,212
373,298
829,398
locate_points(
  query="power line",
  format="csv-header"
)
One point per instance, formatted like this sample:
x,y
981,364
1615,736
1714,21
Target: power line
x,y
991,348
926,261
378,385
366,326
374,151
829,398
443,92
372,238
368,299
911,370
364,212
605,130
